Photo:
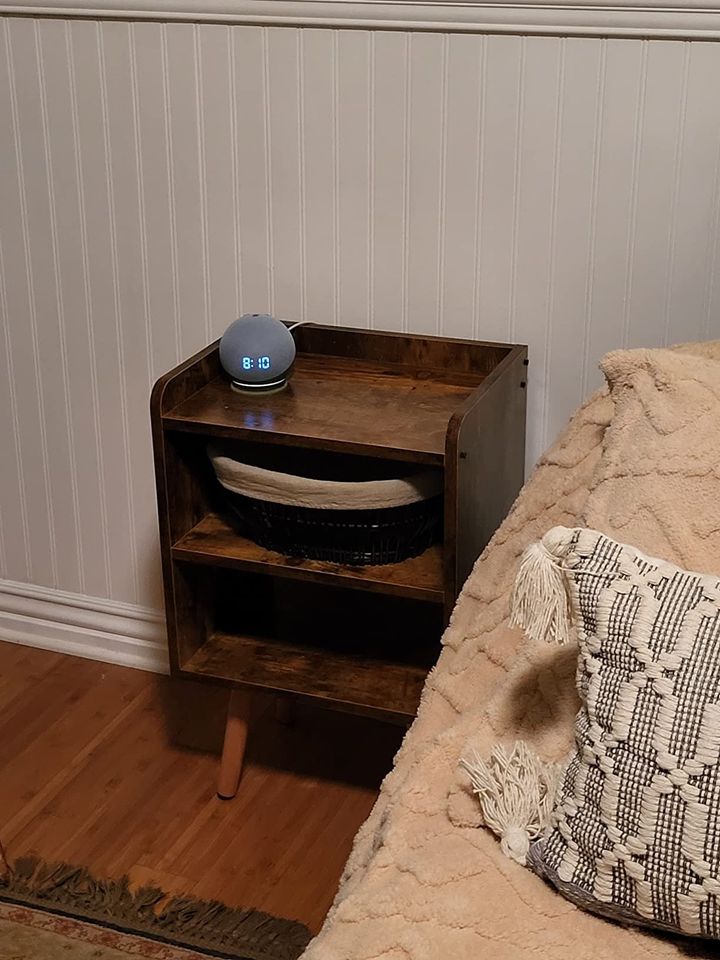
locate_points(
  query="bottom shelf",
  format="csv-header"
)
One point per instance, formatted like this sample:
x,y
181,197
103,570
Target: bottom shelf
x,y
321,674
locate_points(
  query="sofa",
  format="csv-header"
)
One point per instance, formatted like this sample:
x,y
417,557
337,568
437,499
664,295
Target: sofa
x,y
425,879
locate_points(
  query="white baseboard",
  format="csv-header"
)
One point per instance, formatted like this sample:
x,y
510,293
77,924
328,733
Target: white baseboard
x,y
89,627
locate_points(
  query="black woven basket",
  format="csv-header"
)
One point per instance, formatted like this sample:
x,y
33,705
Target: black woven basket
x,y
357,537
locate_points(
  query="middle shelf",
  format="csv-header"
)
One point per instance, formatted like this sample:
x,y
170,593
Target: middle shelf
x,y
392,688
214,542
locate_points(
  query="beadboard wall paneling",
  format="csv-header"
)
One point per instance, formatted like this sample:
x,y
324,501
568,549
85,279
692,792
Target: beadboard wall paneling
x,y
158,179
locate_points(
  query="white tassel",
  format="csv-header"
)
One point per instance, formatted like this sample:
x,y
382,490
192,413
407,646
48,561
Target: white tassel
x,y
540,602
516,792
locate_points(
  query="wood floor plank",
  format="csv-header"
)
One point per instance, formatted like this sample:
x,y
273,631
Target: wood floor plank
x,y
22,667
76,715
93,772
51,787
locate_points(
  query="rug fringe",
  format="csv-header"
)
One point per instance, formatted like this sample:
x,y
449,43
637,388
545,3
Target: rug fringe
x,y
149,911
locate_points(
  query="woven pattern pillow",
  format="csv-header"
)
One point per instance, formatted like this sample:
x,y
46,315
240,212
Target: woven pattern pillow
x,y
635,831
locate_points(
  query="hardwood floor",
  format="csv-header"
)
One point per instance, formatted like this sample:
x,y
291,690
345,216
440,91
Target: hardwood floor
x,y
92,773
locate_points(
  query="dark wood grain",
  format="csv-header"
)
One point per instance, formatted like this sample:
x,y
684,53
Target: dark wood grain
x,y
323,675
181,497
439,356
184,483
485,465
215,543
336,404
185,379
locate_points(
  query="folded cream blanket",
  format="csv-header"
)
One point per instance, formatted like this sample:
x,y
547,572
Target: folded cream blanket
x,y
296,491
424,880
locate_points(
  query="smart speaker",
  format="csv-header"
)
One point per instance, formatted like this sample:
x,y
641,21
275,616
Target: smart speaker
x,y
257,351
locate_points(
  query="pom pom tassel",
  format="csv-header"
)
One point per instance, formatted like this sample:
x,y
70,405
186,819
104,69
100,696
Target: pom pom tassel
x,y
516,792
540,604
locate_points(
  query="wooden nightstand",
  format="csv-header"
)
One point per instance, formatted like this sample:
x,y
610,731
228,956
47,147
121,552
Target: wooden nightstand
x,y
353,638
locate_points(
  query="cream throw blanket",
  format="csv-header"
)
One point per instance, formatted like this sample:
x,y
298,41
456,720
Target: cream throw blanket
x,y
295,491
423,881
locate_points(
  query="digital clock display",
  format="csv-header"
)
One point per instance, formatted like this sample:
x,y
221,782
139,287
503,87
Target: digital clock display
x,y
256,363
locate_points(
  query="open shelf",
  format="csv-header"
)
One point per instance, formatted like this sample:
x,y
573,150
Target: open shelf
x,y
337,403
214,542
320,674
365,652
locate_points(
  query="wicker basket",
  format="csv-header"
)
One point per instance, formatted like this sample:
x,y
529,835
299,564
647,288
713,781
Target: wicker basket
x,y
376,520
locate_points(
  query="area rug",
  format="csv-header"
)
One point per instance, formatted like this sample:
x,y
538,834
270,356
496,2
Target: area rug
x,y
49,911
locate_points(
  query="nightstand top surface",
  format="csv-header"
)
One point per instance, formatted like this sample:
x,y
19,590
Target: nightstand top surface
x,y
341,403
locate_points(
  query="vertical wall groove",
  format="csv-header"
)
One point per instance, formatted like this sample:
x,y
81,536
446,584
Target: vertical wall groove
x,y
170,159
592,224
268,166
5,326
517,177
32,313
552,226
20,559
478,184
50,185
85,267
713,247
336,178
202,167
235,175
117,310
137,143
677,165
371,182
21,550
638,142
302,194
3,554
407,97
442,184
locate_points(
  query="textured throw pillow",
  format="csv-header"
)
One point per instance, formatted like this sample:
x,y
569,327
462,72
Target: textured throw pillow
x,y
635,830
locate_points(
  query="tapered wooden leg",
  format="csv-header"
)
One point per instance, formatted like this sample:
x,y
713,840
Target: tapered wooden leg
x,y
236,730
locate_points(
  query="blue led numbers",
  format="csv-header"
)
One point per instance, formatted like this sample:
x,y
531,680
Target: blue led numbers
x,y
248,363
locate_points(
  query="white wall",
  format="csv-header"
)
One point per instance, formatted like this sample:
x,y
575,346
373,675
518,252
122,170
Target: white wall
x,y
158,179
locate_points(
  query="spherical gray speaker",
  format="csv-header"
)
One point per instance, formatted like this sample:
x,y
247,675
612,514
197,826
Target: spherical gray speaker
x,y
257,351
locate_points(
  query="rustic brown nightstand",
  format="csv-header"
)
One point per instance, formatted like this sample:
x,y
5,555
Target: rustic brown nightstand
x,y
354,638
